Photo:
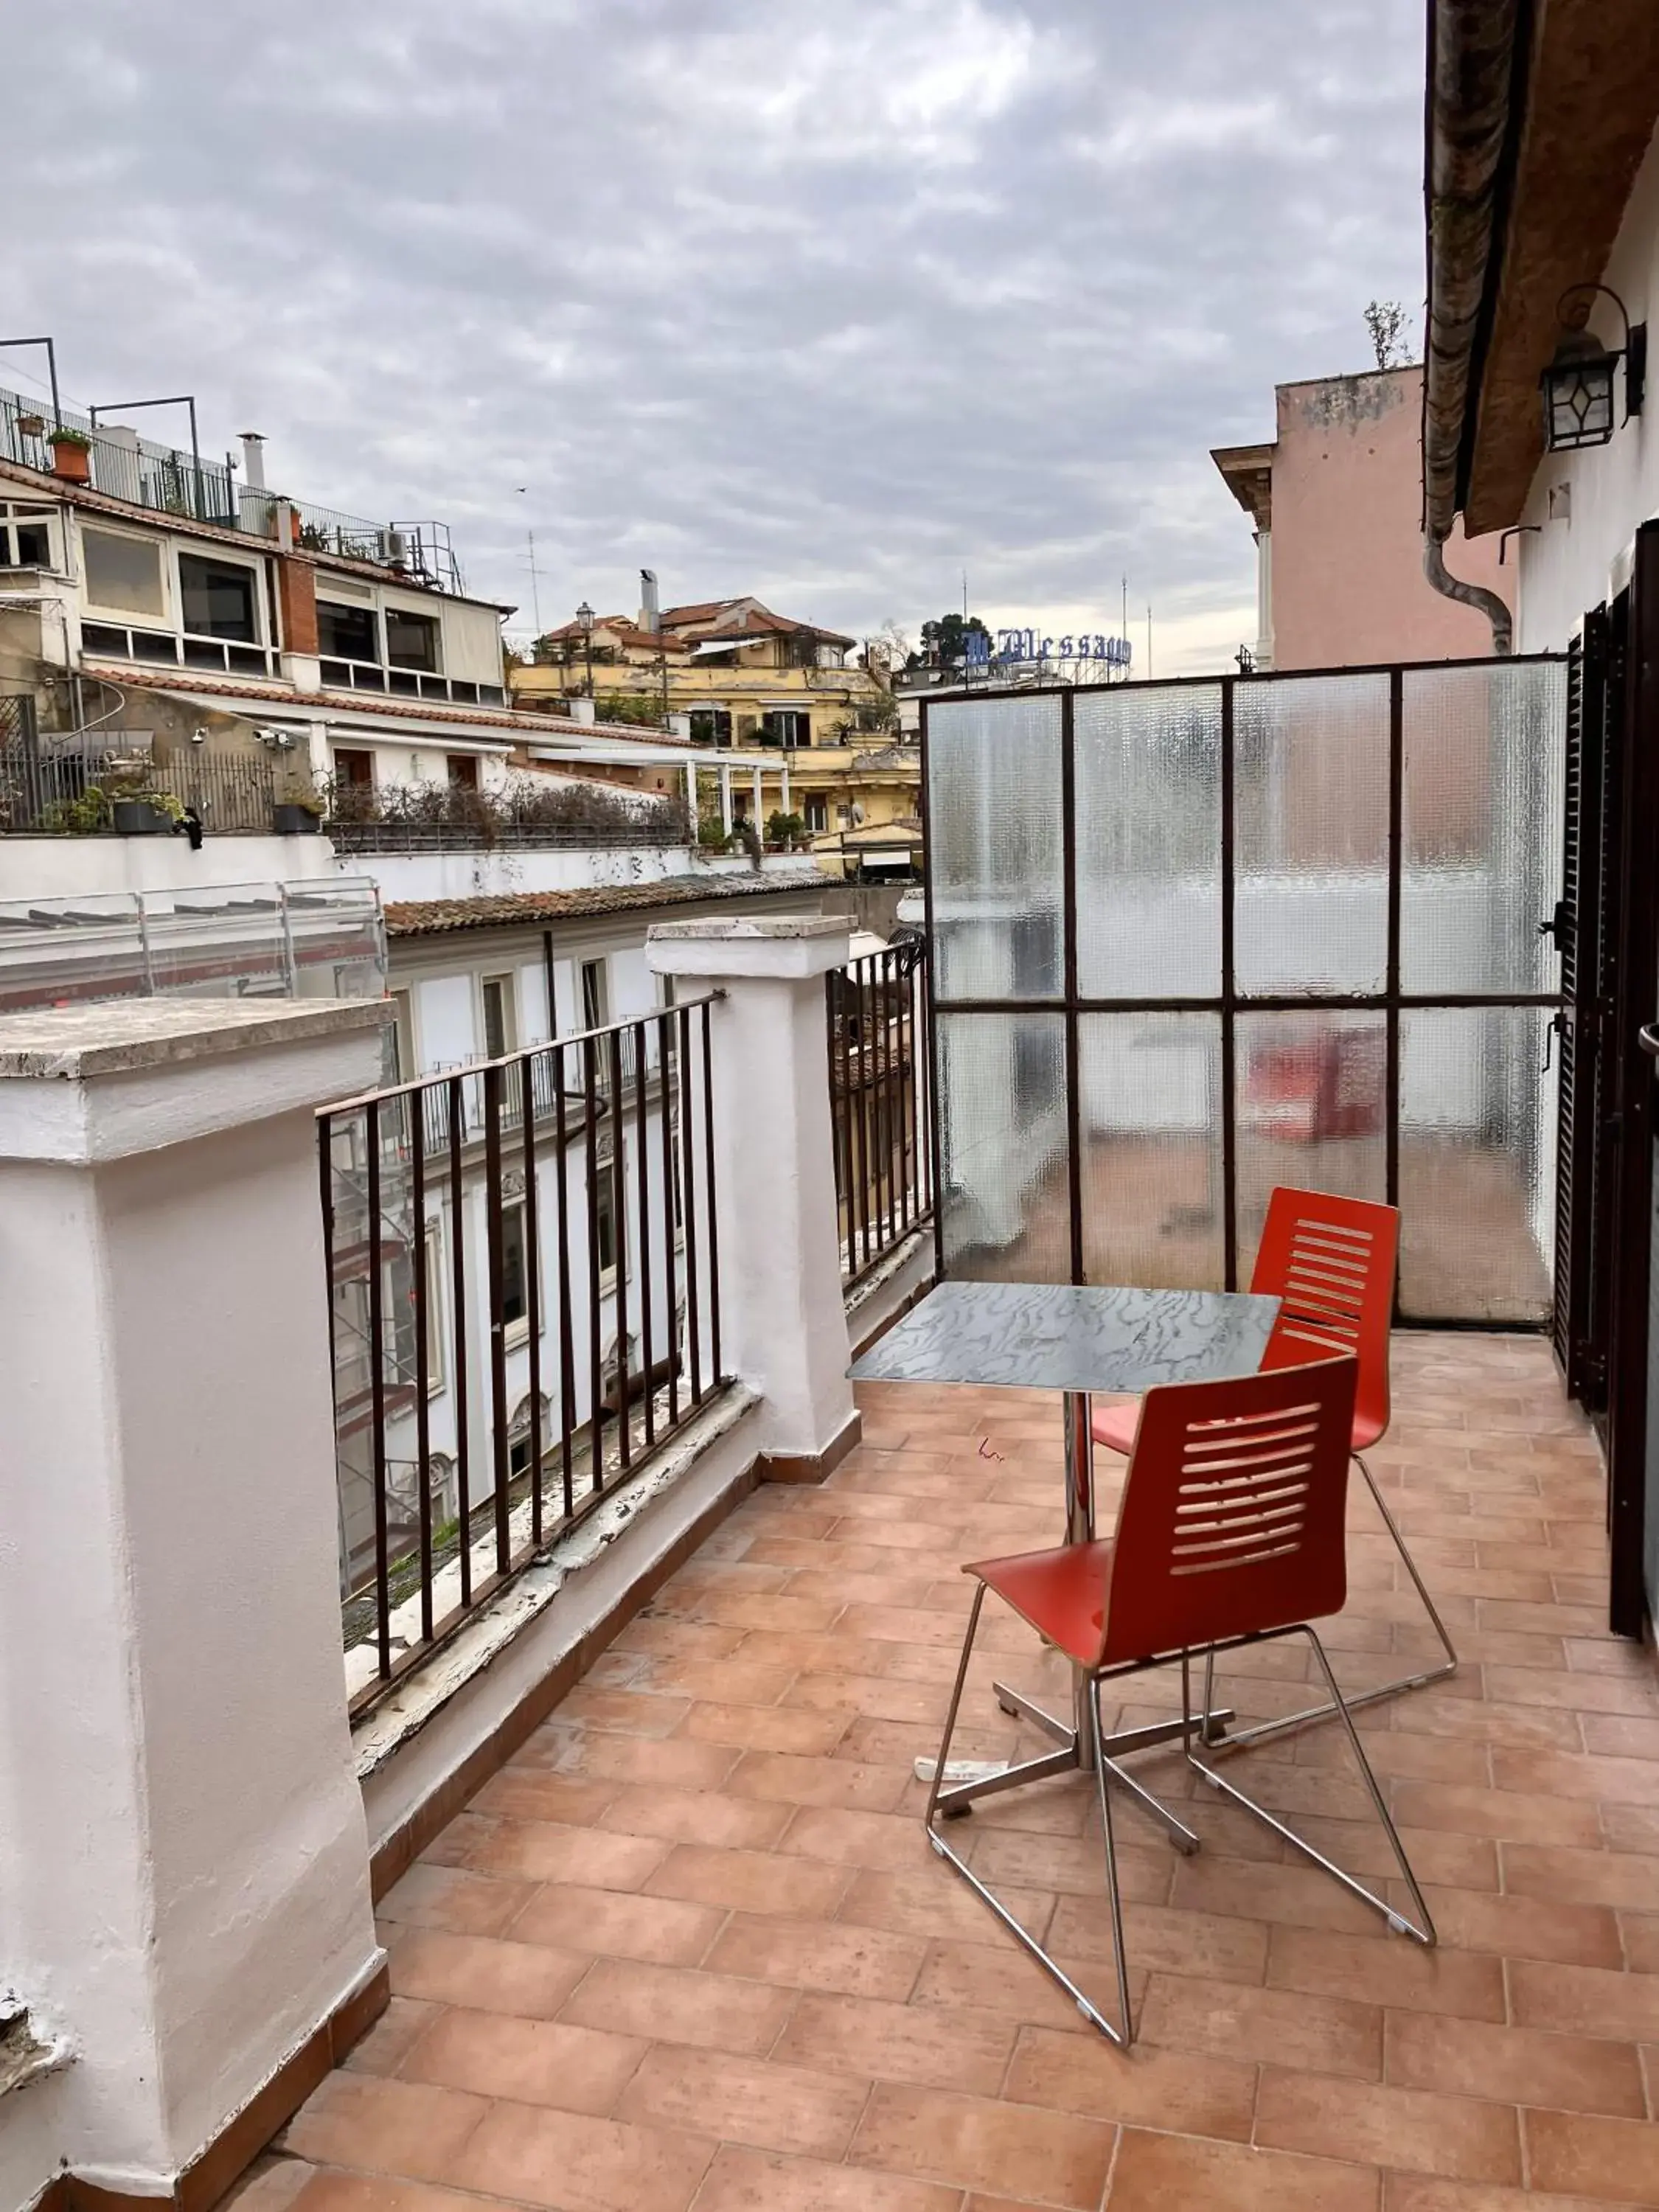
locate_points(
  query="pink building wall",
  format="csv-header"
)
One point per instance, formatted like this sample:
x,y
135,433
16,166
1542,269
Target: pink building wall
x,y
1346,578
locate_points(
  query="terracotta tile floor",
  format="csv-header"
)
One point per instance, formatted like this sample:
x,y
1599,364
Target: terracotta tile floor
x,y
691,1948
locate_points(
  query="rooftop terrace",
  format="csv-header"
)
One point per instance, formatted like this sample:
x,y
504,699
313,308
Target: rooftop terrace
x,y
690,1948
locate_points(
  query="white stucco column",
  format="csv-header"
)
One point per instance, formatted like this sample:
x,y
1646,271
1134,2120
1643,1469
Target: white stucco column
x,y
725,797
783,1320
691,796
783,802
184,1880
760,824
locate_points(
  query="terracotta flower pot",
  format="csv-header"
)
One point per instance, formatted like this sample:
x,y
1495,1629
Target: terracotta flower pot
x,y
72,463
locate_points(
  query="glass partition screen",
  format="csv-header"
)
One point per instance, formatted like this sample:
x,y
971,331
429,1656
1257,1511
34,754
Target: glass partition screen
x,y
1194,940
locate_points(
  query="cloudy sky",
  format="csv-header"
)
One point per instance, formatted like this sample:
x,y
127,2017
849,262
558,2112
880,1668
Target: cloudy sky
x,y
825,299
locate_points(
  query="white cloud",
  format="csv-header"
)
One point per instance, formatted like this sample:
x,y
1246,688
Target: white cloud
x,y
822,302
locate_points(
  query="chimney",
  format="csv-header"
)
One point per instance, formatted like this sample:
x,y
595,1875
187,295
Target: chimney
x,y
650,612
253,460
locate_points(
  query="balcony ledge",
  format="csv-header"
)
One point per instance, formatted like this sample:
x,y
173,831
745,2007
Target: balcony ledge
x,y
426,1746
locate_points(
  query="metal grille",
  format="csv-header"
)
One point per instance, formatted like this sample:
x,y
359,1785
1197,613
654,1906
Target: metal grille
x,y
880,1086
523,1306
1194,940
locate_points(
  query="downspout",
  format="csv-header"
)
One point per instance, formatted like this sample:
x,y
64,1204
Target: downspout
x,y
1470,595
1473,48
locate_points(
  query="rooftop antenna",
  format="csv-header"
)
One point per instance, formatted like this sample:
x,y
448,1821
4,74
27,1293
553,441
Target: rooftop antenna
x,y
1148,645
535,574
964,595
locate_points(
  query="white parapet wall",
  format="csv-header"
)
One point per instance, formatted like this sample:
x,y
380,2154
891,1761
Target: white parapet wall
x,y
184,1879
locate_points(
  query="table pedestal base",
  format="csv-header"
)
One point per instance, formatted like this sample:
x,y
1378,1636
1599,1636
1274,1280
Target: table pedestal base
x,y
1072,1758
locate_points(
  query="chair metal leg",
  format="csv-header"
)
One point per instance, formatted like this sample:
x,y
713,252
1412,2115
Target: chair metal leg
x,y
939,1800
1019,1707
1126,2034
1261,1730
1339,1705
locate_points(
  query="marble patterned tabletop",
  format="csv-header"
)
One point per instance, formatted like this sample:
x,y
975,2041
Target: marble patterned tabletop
x,y
1056,1336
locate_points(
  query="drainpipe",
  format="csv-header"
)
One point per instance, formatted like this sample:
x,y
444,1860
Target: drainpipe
x,y
1470,595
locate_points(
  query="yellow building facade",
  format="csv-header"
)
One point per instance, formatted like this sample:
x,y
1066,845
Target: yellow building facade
x,y
731,674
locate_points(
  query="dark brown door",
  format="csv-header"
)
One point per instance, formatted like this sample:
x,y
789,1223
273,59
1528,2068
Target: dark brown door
x,y
1631,972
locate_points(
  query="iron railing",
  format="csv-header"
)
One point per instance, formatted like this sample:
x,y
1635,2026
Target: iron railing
x,y
663,828
170,481
880,1089
68,784
522,1306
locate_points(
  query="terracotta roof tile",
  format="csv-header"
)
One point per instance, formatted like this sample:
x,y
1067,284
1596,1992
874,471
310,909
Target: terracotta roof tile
x,y
533,728
432,917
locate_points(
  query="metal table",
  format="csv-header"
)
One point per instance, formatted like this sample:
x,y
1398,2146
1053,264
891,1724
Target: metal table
x,y
1054,1336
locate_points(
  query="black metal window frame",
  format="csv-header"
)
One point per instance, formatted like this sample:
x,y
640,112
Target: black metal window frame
x,y
1231,1002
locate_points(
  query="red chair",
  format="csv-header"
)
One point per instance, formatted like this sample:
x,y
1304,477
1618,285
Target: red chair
x,y
1230,1532
1330,1262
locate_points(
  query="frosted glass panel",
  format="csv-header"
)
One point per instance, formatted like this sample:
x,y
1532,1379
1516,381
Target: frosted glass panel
x,y
1311,837
1148,781
994,846
1003,1184
1149,1091
1475,1183
1480,827
1312,1110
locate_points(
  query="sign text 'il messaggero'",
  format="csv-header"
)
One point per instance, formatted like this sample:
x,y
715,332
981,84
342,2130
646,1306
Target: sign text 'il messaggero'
x,y
1025,646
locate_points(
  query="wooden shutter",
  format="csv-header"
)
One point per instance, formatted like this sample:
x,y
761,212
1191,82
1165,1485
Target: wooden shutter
x,y
1577,939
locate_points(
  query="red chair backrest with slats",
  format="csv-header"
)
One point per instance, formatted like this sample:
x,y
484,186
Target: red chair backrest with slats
x,y
1330,1262
1233,1513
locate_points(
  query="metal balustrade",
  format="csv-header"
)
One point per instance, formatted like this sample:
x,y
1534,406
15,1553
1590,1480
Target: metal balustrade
x,y
523,1306
880,1091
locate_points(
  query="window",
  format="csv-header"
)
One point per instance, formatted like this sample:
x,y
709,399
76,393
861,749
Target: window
x,y
122,572
435,1311
346,632
711,726
218,597
605,1218
355,770
412,640
786,725
595,997
500,1026
815,811
403,1037
515,1268
25,539
463,768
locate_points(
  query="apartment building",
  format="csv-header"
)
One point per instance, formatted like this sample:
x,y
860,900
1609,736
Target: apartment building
x,y
1335,498
732,673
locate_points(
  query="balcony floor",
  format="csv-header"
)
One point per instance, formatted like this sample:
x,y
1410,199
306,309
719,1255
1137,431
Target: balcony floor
x,y
692,1949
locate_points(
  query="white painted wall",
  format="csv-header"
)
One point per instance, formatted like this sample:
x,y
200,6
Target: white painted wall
x,y
447,1022
1614,488
82,867
183,1857
489,873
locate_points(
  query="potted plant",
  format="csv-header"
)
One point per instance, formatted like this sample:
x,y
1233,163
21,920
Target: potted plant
x,y
298,816
146,814
71,455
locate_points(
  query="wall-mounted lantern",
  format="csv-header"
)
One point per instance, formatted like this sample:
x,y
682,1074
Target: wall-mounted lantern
x,y
1578,386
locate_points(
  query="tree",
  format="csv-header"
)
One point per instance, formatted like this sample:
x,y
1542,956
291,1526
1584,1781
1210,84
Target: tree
x,y
944,642
1386,321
